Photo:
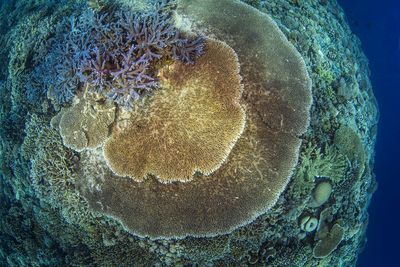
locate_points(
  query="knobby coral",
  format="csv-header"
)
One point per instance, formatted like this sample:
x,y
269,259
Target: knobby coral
x,y
190,125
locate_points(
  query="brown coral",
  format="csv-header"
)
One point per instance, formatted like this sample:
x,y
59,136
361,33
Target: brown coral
x,y
277,97
269,64
86,124
190,125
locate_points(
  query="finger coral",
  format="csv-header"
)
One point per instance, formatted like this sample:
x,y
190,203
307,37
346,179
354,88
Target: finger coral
x,y
190,125
277,98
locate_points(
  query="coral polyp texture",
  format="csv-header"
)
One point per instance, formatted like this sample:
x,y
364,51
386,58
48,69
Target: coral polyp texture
x,y
198,113
183,133
190,125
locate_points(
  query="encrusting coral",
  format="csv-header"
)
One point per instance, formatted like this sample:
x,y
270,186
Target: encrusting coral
x,y
308,223
277,98
190,125
349,144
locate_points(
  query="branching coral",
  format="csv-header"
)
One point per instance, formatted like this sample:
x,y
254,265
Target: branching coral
x,y
116,53
317,162
53,170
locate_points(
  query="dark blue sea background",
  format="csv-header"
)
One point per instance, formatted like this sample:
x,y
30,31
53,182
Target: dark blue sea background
x,y
377,24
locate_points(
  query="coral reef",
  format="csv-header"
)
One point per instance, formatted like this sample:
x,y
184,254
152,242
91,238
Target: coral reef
x,y
45,219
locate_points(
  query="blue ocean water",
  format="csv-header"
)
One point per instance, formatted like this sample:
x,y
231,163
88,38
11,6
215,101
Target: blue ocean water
x,y
377,24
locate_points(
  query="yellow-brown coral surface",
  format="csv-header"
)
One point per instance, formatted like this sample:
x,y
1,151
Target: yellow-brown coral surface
x,y
190,125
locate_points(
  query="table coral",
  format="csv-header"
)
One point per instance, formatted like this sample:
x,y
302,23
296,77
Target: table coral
x,y
325,246
277,98
270,65
190,125
86,124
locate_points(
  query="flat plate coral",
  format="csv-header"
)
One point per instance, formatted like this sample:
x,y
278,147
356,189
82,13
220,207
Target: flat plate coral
x,y
277,99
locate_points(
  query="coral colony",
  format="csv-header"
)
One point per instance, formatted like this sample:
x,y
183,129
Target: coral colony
x,y
115,53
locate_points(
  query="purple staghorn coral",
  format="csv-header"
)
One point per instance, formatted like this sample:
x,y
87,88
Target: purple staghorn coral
x,y
117,54
186,50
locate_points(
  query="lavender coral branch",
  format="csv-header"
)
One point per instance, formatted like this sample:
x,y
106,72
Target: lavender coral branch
x,y
116,54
